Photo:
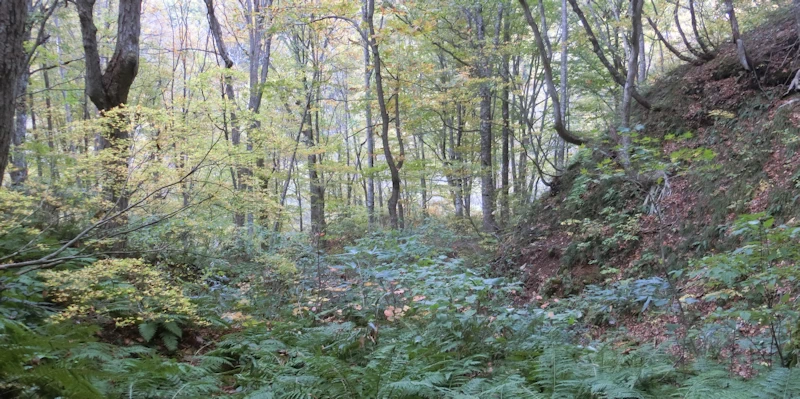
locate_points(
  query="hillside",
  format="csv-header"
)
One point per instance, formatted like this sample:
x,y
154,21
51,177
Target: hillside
x,y
729,142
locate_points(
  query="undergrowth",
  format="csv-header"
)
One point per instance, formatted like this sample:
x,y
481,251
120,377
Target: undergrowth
x,y
392,316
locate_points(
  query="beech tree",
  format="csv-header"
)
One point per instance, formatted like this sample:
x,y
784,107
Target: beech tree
x,y
484,70
394,165
741,51
109,88
13,22
559,124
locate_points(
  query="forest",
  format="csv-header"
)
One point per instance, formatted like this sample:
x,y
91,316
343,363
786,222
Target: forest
x,y
399,199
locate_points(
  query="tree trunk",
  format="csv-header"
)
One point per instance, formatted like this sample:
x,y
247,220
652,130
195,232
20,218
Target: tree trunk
x,y
13,19
349,178
420,146
700,41
633,62
50,126
299,203
625,106
39,170
741,52
19,171
505,208
370,193
451,156
458,158
62,73
466,196
109,89
387,151
558,118
401,156
293,163
597,49
796,11
697,53
239,176
316,185
642,59
561,145
380,201
484,72
520,181
260,55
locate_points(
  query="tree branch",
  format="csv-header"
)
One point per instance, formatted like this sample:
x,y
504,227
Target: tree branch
x,y
49,67
670,47
52,257
615,74
548,75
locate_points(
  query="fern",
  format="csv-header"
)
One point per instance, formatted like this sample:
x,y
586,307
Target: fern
x,y
173,328
504,387
148,330
463,341
261,394
169,340
714,382
781,383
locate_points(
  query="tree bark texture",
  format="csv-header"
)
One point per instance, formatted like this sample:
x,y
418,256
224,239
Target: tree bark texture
x,y
385,120
558,118
13,20
109,89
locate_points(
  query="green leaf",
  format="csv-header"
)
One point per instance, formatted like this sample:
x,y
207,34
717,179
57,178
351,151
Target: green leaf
x,y
174,328
745,315
148,330
262,394
169,340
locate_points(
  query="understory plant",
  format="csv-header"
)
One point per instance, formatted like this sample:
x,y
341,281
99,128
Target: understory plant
x,y
755,287
124,292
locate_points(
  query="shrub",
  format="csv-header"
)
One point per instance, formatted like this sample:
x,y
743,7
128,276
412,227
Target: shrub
x,y
127,292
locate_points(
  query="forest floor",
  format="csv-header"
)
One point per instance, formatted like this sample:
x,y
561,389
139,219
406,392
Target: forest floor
x,y
604,289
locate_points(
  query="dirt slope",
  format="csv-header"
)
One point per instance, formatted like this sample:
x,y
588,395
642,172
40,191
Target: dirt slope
x,y
740,119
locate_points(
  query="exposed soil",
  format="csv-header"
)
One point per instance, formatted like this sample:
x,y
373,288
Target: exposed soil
x,y
748,123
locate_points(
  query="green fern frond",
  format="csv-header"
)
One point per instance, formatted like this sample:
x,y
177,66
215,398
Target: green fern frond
x,y
780,383
169,340
148,330
173,327
261,394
